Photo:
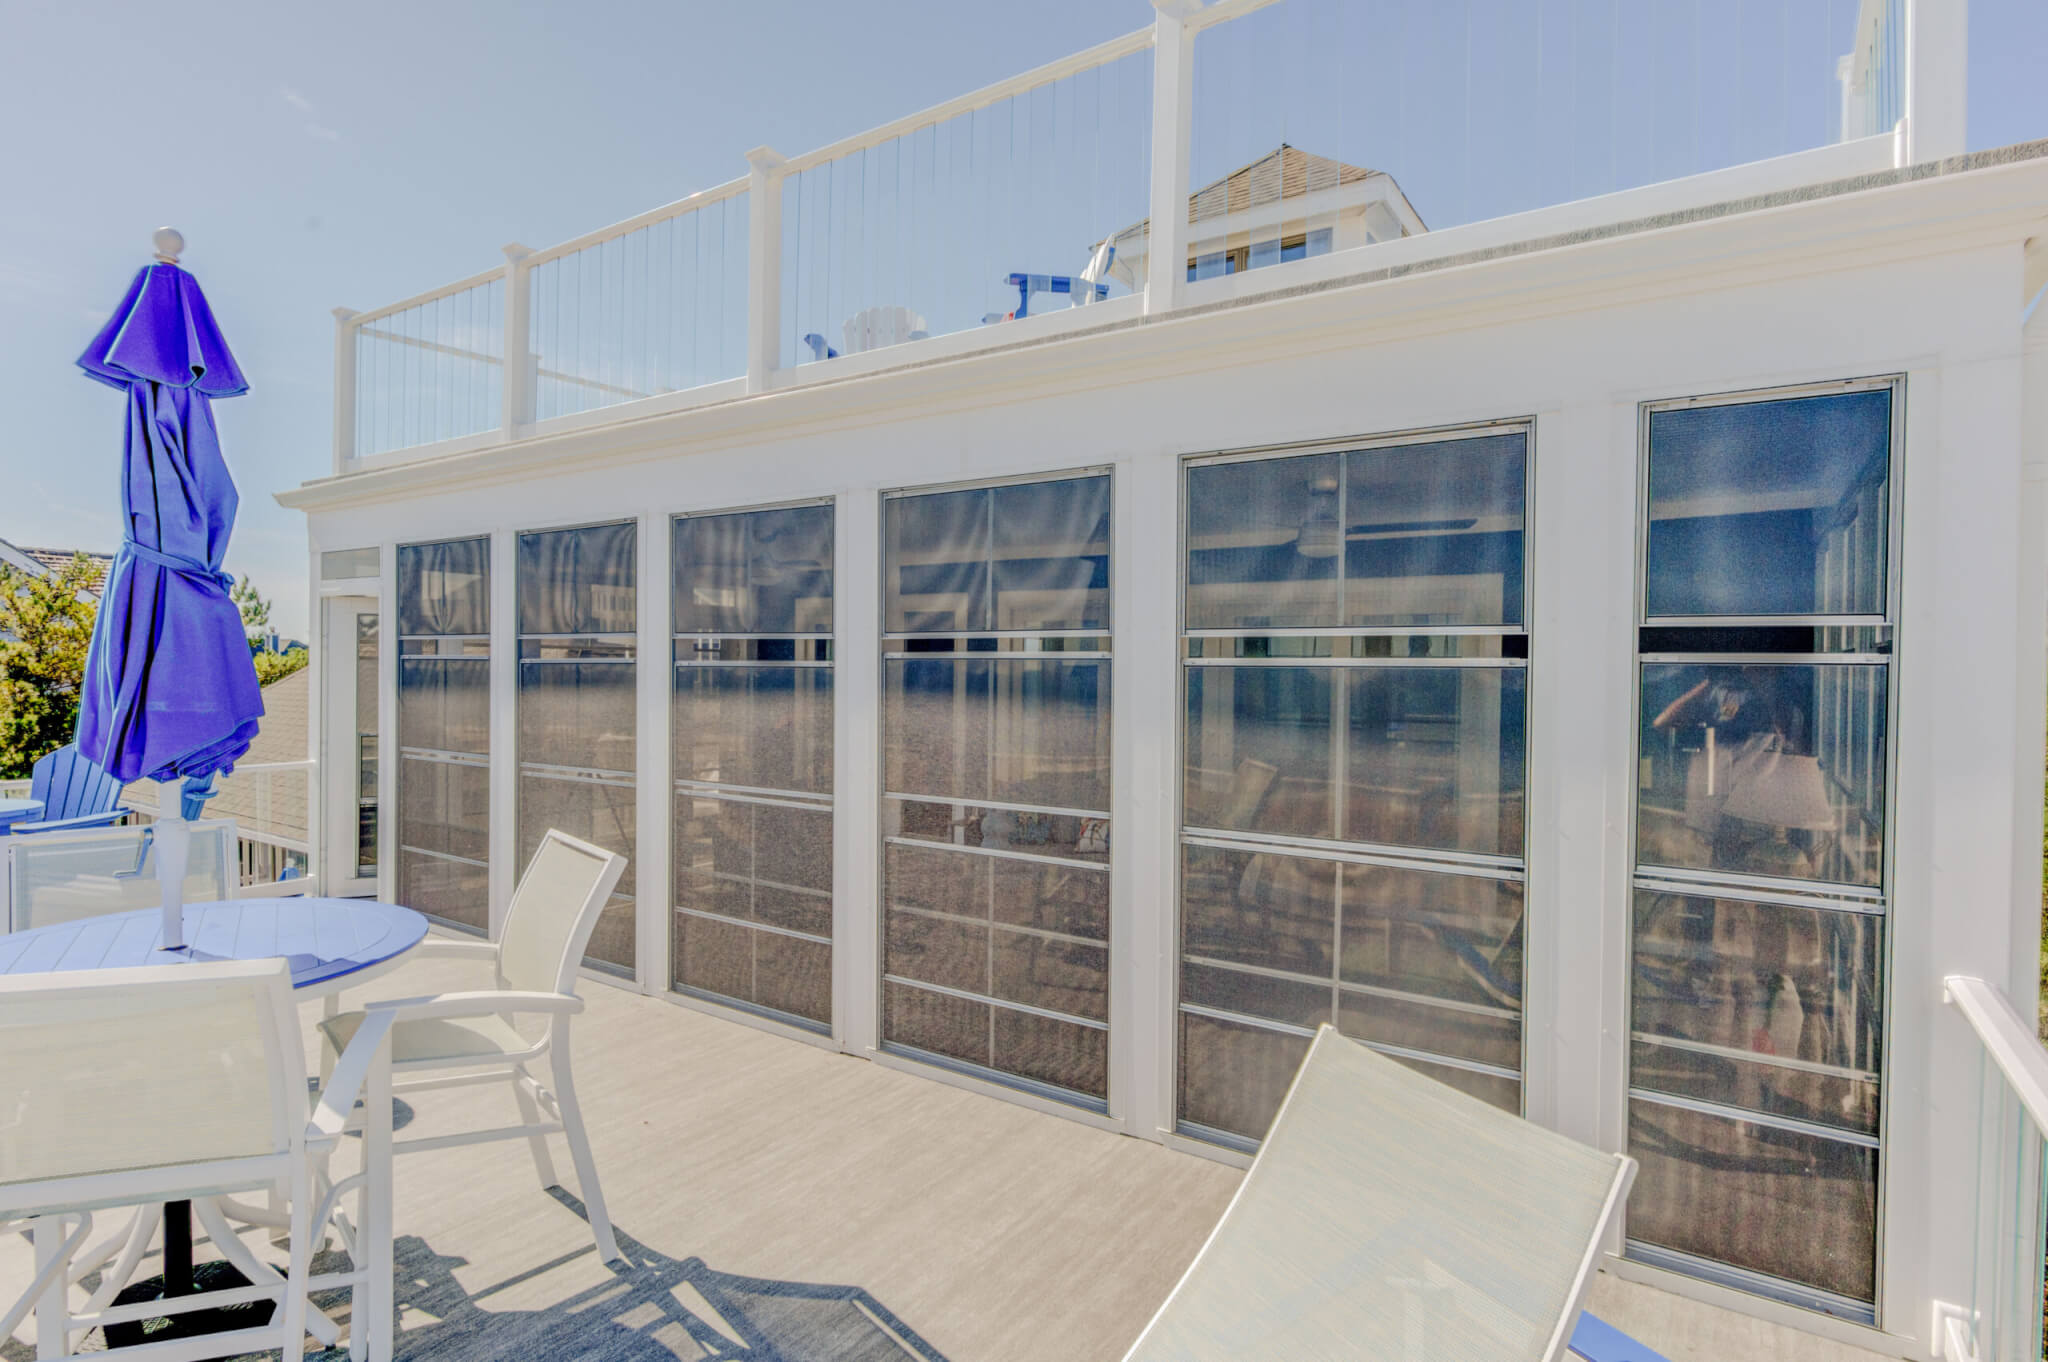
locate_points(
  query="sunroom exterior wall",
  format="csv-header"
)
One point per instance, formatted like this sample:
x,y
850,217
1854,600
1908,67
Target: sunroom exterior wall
x,y
1923,281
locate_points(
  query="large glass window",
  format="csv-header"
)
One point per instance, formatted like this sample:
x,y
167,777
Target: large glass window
x,y
1353,779
1761,884
577,604
444,730
753,760
995,695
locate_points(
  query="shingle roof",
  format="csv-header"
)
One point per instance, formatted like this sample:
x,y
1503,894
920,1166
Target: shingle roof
x,y
56,560
273,804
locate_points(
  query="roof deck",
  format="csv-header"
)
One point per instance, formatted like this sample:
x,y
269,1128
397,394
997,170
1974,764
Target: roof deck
x,y
1243,129
994,1233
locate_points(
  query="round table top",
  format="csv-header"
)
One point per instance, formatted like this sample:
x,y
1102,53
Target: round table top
x,y
14,810
325,940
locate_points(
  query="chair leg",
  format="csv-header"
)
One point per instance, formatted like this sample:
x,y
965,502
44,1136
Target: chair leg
x,y
579,1145
140,1236
295,1302
53,1313
324,1330
531,1114
374,1309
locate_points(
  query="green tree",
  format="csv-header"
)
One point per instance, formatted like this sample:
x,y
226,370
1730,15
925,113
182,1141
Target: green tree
x,y
255,611
45,629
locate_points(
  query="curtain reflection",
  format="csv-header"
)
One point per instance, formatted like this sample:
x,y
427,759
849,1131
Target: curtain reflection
x,y
753,725
1285,744
577,712
442,838
996,940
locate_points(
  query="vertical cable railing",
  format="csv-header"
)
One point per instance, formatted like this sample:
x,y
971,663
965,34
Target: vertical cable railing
x,y
989,208
431,370
2002,1321
656,305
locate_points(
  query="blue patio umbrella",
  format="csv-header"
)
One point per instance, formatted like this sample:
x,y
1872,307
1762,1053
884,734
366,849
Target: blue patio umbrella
x,y
170,688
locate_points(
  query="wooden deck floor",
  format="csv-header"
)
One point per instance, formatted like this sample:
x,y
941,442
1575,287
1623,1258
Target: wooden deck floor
x,y
993,1233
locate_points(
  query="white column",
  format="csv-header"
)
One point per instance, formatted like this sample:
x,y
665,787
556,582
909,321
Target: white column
x,y
654,885
344,388
1173,114
504,778
764,265
1144,727
857,771
1937,50
518,386
1582,528
387,720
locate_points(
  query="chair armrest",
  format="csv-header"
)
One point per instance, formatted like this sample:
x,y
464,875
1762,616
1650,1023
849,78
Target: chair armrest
x,y
441,947
338,1097
84,820
483,1003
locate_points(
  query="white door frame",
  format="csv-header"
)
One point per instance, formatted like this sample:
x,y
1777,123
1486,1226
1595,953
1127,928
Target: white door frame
x,y
340,754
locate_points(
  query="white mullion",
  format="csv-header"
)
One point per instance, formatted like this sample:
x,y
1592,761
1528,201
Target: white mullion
x,y
504,735
857,771
654,793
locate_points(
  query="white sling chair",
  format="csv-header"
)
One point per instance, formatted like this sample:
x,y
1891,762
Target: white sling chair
x,y
123,1087
467,1038
1388,1216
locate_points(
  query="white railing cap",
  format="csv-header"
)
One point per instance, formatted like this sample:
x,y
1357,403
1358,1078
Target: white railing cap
x,y
2008,1039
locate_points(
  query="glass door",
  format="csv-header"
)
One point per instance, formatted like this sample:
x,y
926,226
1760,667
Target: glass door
x,y
349,760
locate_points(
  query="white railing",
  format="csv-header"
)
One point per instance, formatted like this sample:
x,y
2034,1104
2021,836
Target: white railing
x,y
2002,1320
1141,172
270,804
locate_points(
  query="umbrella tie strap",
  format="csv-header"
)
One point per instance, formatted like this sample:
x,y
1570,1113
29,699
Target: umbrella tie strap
x,y
179,563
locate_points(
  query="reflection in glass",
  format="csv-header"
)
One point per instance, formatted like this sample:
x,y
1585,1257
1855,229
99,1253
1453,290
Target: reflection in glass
x,y
1423,960
1233,1076
753,732
1432,757
996,873
1770,508
442,839
1425,535
755,727
577,605
1014,729
1028,556
1770,769
1793,1205
365,734
1769,1007
754,572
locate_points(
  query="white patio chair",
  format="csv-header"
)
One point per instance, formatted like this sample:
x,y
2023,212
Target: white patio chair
x,y
1391,1217
466,1038
68,876
181,1082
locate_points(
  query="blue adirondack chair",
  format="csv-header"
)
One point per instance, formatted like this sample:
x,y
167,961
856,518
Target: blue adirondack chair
x,y
76,792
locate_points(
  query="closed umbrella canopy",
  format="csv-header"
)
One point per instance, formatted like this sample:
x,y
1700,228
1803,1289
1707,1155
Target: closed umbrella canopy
x,y
170,689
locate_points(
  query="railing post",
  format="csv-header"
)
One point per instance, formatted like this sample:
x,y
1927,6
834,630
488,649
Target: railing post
x,y
518,384
1937,79
344,388
764,265
1173,120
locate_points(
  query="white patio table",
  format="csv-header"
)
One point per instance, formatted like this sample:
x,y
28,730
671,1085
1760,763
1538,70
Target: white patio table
x,y
330,944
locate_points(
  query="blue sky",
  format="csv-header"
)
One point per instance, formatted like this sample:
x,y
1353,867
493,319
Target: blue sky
x,y
350,155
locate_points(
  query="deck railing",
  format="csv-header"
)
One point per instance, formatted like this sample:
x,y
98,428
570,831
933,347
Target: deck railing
x,y
2002,1320
1148,173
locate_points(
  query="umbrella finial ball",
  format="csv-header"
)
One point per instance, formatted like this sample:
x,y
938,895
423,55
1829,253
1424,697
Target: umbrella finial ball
x,y
170,243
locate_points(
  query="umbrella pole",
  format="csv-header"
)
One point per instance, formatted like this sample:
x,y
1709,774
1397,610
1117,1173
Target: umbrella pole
x,y
173,855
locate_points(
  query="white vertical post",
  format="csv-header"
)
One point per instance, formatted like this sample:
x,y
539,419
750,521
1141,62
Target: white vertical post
x,y
1173,119
1144,841
653,883
857,771
344,388
504,755
1937,50
764,265
518,385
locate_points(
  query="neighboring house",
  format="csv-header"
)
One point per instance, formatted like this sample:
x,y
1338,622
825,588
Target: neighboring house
x,y
269,807
41,562
1286,205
